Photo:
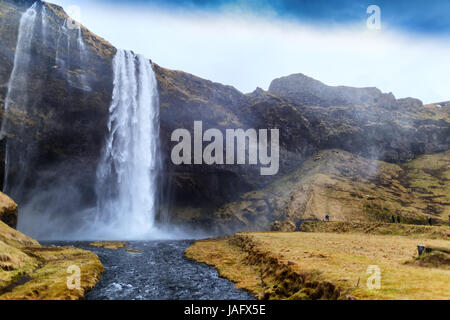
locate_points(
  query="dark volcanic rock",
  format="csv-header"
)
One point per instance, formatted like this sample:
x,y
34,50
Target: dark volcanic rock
x,y
304,90
59,134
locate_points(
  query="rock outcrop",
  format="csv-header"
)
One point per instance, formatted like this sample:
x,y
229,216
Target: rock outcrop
x,y
8,210
301,89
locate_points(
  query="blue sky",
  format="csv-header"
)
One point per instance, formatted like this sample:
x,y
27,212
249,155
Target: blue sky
x,y
249,43
421,16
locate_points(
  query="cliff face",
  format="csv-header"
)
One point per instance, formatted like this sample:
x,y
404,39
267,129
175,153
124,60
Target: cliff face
x,y
55,124
60,133
382,128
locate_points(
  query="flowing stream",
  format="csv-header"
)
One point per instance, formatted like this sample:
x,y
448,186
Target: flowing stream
x,y
158,271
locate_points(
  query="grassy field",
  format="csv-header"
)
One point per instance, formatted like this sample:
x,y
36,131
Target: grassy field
x,y
304,265
29,271
379,228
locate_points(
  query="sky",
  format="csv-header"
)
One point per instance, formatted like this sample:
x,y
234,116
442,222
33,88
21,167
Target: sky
x,y
248,43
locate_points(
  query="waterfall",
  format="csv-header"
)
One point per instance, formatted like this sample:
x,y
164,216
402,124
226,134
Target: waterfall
x,y
29,107
83,59
71,55
127,172
44,24
62,47
16,100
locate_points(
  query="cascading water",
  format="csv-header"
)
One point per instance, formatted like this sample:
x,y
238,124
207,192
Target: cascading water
x,y
70,41
27,111
127,172
44,23
17,98
83,58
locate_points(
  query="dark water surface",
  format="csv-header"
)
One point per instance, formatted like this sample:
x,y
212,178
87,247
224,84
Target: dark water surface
x,y
159,271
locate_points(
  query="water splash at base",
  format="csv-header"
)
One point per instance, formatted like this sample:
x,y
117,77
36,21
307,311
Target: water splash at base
x,y
127,173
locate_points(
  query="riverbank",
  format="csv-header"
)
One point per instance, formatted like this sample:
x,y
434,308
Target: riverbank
x,y
325,265
29,271
156,270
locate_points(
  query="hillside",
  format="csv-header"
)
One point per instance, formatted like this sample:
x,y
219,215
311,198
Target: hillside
x,y
349,188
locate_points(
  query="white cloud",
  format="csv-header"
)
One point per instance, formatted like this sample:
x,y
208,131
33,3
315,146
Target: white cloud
x,y
244,50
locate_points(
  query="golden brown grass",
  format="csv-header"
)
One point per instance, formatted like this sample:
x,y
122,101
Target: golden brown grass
x,y
230,261
30,271
49,280
279,265
14,238
380,228
432,111
8,210
112,245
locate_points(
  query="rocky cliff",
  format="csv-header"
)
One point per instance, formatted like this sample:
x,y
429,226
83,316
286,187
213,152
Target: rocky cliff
x,y
56,140
55,124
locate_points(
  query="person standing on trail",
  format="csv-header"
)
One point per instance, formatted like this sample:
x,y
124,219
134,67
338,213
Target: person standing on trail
x,y
327,217
393,219
430,222
398,219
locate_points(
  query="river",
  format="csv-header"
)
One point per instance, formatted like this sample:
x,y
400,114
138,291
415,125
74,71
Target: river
x,y
160,271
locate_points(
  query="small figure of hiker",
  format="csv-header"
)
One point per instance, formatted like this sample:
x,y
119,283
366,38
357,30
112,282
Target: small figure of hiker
x,y
393,219
430,221
327,217
398,219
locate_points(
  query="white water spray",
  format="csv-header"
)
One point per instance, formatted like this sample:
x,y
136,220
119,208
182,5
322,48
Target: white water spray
x,y
127,172
17,95
83,59
70,42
